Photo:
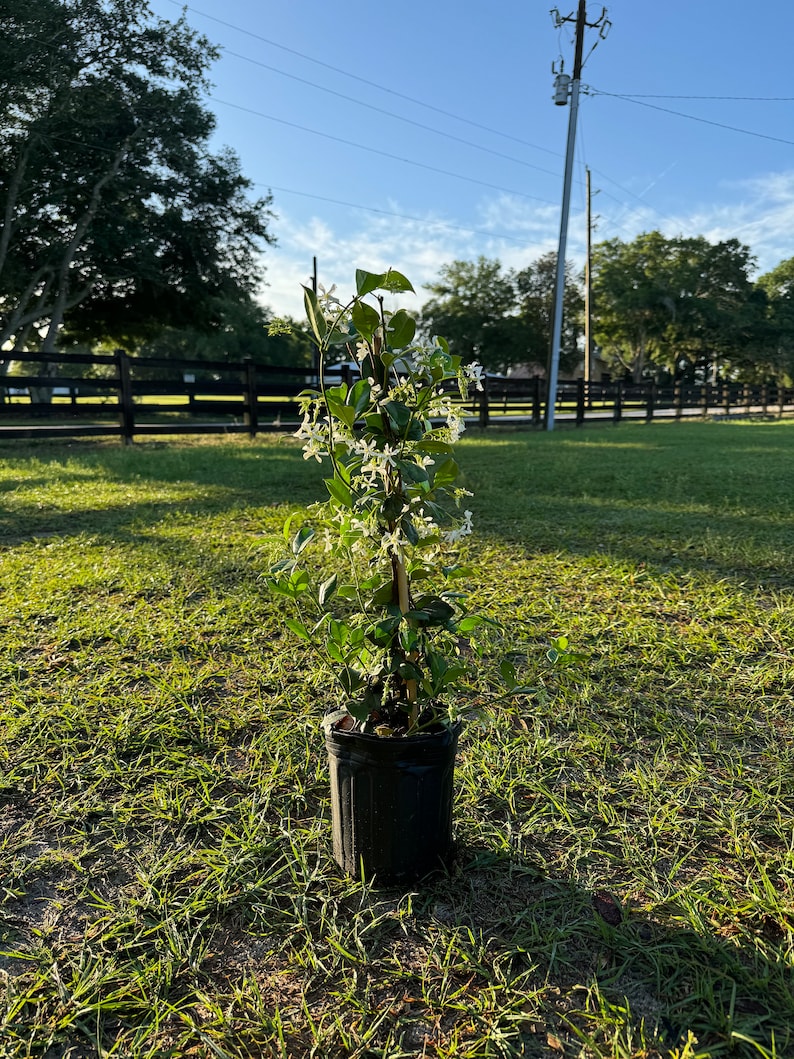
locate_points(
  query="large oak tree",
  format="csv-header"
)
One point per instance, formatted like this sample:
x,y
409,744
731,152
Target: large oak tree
x,y
675,304
116,216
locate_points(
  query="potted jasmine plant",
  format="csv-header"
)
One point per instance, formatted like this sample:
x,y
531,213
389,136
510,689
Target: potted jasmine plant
x,y
386,613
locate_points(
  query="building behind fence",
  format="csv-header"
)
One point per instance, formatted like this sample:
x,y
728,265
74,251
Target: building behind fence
x,y
119,395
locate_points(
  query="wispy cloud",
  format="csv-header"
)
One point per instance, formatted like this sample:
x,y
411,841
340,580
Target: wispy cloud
x,y
761,215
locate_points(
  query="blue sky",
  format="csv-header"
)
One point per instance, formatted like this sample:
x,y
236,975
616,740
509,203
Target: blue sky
x,y
466,153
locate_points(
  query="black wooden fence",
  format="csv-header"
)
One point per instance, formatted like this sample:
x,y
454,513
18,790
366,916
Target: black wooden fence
x,y
124,396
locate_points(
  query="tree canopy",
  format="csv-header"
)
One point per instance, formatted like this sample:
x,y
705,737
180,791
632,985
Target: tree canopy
x,y
117,219
678,304
503,318
777,289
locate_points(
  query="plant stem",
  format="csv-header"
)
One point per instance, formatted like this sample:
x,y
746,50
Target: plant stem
x,y
404,601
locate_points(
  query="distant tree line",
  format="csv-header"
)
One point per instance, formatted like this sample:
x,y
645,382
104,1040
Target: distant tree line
x,y
662,308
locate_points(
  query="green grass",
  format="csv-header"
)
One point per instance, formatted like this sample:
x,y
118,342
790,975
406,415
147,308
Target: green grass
x,y
624,884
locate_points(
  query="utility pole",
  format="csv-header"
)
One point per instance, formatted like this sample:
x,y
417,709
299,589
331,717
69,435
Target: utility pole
x,y
588,315
559,287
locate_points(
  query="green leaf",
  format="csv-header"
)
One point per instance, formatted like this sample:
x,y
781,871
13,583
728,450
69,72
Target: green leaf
x,y
301,539
438,667
340,410
431,610
314,314
327,590
399,415
366,282
508,671
395,282
339,491
359,396
299,580
335,653
374,424
410,531
282,566
366,320
445,474
383,595
412,471
352,679
392,508
337,338
401,330
298,628
287,528
383,632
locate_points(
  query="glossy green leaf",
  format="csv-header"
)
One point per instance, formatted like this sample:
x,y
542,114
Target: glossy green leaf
x,y
298,628
339,491
431,610
366,320
314,314
360,396
395,282
366,282
327,590
401,330
304,535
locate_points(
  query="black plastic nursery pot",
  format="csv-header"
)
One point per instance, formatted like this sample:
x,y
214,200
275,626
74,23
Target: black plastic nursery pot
x,y
391,803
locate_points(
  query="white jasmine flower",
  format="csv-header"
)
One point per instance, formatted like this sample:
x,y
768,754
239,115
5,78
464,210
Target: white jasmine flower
x,y
474,373
463,530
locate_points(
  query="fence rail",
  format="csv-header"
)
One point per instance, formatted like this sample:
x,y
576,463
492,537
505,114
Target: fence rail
x,y
124,396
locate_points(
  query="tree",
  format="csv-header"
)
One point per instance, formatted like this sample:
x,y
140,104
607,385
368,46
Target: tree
x,y
631,300
474,307
535,290
777,288
680,304
116,217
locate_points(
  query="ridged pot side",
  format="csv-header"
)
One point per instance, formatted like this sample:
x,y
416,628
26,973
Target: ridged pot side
x,y
391,803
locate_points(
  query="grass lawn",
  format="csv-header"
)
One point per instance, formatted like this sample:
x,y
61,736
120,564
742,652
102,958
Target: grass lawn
x,y
624,882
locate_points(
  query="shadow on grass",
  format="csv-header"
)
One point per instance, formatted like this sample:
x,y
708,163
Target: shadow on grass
x,y
654,979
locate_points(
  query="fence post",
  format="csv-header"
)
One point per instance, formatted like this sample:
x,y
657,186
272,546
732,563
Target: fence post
x,y
579,402
726,398
483,404
536,401
678,399
650,404
704,400
251,416
764,398
617,412
126,403
748,393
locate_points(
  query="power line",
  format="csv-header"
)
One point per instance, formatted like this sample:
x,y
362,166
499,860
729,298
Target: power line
x,y
750,99
377,150
390,113
363,80
391,213
692,117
